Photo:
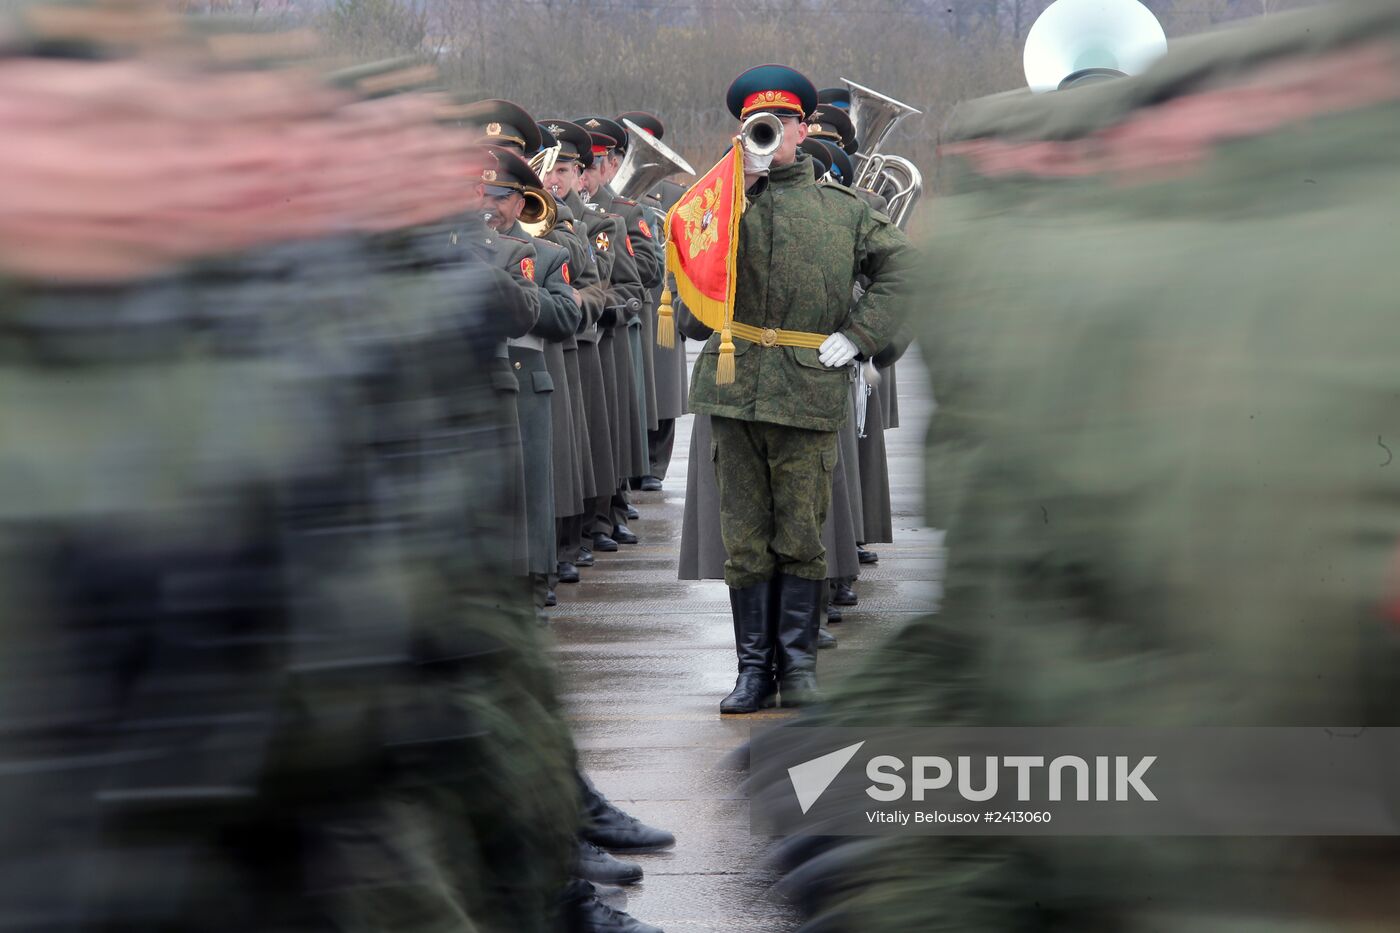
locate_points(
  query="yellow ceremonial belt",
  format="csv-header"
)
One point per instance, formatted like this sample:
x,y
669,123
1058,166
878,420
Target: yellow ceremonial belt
x,y
775,337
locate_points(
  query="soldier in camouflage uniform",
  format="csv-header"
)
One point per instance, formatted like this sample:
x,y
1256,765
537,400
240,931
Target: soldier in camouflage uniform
x,y
800,247
1164,358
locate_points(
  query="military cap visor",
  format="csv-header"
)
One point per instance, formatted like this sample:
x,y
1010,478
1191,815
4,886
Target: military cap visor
x,y
575,143
602,126
506,172
835,125
504,124
775,88
818,151
647,121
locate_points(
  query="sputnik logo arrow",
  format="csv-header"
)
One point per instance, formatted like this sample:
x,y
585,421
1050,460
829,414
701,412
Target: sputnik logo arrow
x,y
811,778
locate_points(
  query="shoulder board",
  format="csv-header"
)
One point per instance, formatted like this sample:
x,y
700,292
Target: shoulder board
x,y
628,202
513,239
837,186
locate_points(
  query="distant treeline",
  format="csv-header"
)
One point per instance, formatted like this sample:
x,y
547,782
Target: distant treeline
x,y
564,58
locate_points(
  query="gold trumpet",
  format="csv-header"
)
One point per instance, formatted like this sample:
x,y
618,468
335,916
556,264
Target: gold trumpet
x,y
539,214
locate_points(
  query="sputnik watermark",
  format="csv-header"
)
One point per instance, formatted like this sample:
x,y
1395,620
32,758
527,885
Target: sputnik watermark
x,y
1304,781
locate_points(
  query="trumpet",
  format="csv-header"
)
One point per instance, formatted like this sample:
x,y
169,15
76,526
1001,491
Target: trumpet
x,y
539,214
761,134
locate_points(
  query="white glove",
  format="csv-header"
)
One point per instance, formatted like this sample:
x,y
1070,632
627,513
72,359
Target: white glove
x,y
837,350
757,164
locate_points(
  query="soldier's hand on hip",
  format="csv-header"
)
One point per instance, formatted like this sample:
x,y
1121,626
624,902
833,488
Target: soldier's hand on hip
x,y
837,350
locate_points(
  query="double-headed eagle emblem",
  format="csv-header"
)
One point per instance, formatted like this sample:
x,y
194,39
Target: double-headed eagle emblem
x,y
701,231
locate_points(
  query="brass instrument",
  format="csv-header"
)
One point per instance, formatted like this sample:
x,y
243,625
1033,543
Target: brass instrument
x,y
761,134
892,177
543,161
539,214
1075,42
647,162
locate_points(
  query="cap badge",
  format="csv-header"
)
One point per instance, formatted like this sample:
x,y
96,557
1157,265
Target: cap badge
x,y
493,129
489,175
593,123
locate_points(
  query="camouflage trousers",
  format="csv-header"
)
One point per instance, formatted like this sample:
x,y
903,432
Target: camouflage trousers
x,y
774,490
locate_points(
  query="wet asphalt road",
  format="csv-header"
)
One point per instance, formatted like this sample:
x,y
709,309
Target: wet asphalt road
x,y
646,658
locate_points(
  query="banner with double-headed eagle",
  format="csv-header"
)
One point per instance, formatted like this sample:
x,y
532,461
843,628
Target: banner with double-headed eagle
x,y
702,249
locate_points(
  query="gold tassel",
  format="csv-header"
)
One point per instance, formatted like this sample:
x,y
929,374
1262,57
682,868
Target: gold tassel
x,y
666,322
724,369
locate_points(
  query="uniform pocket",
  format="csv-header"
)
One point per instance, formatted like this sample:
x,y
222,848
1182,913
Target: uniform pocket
x,y
829,456
542,382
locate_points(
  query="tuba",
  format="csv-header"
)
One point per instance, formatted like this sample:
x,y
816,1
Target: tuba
x,y
648,160
892,177
539,214
1075,42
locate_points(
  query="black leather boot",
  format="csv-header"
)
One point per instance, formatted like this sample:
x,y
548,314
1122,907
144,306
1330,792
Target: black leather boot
x,y
605,824
752,607
598,865
799,617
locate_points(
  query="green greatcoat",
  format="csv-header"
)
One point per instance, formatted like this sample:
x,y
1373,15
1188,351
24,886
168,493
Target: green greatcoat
x,y
801,246
1165,361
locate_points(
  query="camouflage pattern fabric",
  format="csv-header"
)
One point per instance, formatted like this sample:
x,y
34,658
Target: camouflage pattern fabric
x,y
801,246
1164,355
264,667
774,491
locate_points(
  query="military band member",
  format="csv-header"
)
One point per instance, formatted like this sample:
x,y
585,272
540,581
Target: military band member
x,y
672,371
596,359
626,304
502,184
800,246
584,372
646,250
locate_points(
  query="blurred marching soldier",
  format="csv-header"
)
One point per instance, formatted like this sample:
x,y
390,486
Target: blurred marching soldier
x,y
581,351
267,667
672,373
1151,459
647,252
626,302
775,419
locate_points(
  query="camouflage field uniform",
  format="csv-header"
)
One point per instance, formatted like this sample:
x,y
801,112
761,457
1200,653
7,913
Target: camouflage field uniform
x,y
801,246
1164,357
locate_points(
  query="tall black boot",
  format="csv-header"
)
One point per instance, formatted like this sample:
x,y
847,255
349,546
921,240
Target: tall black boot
x,y
753,641
799,617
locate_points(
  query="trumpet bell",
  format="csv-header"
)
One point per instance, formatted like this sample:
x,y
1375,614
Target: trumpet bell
x,y
761,134
874,115
648,160
1078,41
540,213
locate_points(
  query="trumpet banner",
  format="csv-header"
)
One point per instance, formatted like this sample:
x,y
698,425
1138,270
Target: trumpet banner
x,y
702,250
